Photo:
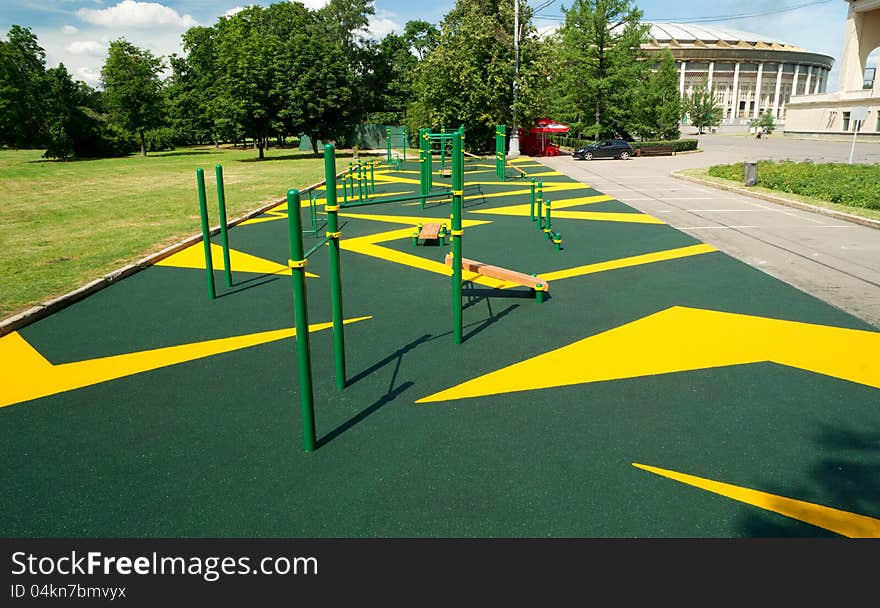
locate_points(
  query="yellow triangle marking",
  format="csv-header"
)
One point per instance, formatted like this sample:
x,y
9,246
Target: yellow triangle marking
x,y
636,260
34,377
594,216
545,174
845,523
683,339
525,210
194,257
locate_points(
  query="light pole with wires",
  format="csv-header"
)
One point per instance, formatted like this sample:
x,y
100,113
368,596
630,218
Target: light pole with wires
x,y
514,132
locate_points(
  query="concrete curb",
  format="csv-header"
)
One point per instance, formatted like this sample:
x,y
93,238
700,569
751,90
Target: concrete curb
x,y
40,311
864,221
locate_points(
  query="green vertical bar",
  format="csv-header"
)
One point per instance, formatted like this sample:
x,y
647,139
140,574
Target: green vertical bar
x,y
224,237
457,195
405,142
539,203
301,318
387,146
532,201
373,178
547,226
424,164
206,231
335,265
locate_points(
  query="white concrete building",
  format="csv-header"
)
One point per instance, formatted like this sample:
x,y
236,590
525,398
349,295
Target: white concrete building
x,y
751,73
859,90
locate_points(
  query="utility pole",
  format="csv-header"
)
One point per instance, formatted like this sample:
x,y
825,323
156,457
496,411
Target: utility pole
x,y
514,132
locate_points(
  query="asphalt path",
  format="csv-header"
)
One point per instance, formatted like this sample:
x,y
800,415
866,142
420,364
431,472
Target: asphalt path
x,y
835,260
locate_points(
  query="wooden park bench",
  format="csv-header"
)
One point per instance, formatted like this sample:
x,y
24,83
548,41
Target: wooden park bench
x,y
656,151
535,283
431,231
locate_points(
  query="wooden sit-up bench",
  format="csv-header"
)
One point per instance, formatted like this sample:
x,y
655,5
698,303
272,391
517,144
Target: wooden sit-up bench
x,y
535,283
431,231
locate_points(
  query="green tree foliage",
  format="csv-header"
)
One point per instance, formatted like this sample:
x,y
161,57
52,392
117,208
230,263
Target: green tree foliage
x,y
468,77
657,108
702,107
132,88
195,96
765,121
422,37
22,71
599,58
391,79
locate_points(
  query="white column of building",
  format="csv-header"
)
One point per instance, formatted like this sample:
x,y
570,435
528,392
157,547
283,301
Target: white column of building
x,y
797,72
681,79
758,91
776,95
809,78
734,116
818,82
711,73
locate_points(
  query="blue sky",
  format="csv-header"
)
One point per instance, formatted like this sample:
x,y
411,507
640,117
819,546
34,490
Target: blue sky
x,y
77,32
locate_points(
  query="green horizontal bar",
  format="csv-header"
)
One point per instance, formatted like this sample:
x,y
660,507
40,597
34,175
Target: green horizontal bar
x,y
397,199
315,248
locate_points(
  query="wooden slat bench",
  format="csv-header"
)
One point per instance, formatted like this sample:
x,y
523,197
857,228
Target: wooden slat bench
x,y
657,151
535,283
431,231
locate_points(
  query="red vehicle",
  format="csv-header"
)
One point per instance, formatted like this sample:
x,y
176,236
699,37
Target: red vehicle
x,y
536,142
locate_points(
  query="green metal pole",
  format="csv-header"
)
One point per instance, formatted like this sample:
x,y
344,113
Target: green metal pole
x,y
224,237
373,177
333,235
532,201
547,226
387,145
297,265
425,163
457,233
405,142
538,203
206,232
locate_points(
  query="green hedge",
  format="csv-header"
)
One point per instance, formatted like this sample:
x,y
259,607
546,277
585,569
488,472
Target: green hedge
x,y
852,185
678,145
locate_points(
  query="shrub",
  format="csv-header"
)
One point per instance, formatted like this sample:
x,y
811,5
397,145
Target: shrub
x,y
852,185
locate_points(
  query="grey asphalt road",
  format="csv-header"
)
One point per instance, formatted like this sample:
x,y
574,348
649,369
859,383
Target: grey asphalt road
x,y
835,260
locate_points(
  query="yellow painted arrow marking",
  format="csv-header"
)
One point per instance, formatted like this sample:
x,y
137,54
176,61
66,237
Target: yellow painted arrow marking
x,y
636,260
194,257
32,376
851,525
526,209
683,339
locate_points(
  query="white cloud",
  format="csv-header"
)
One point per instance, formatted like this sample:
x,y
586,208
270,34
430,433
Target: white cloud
x,y
91,77
381,24
69,29
87,47
233,11
315,4
130,13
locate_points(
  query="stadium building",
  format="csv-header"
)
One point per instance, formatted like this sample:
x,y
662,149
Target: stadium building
x,y
751,73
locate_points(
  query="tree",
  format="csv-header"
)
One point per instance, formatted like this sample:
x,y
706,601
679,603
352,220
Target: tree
x,y
421,36
702,107
22,70
658,106
132,89
599,61
765,121
468,78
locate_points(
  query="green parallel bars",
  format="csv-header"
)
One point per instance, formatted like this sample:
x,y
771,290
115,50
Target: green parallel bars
x,y
457,233
538,203
333,235
297,265
532,201
206,232
224,237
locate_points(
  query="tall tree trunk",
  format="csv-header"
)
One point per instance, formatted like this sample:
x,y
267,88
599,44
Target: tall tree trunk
x,y
258,141
143,145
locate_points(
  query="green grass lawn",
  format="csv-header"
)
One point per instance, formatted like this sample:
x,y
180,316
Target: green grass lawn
x,y
63,224
703,173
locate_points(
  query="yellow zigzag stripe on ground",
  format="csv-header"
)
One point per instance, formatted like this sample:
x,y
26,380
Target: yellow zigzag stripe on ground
x,y
636,260
368,245
194,257
33,376
682,339
847,524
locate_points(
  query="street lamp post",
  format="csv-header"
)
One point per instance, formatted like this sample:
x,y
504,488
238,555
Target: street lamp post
x,y
514,132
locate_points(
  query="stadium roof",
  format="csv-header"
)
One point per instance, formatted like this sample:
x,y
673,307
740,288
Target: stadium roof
x,y
690,34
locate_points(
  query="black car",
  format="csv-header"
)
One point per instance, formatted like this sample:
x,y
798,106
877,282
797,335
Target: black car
x,y
604,148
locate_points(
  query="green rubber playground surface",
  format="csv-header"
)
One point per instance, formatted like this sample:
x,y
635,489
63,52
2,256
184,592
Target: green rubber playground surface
x,y
662,390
